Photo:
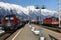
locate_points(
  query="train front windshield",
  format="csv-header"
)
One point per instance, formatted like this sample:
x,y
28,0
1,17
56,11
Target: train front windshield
x,y
9,19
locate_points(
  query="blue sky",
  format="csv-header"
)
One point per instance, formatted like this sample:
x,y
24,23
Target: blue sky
x,y
50,4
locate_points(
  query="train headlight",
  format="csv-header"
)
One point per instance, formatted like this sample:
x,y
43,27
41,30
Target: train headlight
x,y
6,18
11,18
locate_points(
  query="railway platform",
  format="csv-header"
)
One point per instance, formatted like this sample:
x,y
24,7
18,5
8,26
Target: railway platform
x,y
24,34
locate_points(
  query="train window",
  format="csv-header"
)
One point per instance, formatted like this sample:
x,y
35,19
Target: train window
x,y
6,18
11,18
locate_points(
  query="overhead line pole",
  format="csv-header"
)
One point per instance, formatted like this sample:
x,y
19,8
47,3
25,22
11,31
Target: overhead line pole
x,y
59,12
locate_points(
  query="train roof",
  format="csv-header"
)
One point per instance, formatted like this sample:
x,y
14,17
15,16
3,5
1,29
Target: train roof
x,y
9,15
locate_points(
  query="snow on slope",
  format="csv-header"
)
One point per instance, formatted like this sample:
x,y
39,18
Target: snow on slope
x,y
13,7
7,8
44,12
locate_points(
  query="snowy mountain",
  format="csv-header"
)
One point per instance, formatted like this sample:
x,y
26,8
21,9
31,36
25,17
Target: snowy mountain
x,y
43,13
31,11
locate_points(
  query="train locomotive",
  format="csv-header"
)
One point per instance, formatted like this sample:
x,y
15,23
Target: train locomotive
x,y
11,22
53,22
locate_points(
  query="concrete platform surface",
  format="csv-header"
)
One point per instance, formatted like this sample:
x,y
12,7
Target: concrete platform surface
x,y
25,34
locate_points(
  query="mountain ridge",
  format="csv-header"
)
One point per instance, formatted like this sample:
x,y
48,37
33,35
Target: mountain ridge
x,y
7,8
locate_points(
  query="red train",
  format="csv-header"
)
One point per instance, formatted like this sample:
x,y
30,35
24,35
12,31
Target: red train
x,y
51,21
11,22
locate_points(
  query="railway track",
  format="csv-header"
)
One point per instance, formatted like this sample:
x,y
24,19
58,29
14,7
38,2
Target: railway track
x,y
53,29
5,35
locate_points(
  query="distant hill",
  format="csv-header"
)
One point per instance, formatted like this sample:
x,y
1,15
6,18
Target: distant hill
x,y
29,11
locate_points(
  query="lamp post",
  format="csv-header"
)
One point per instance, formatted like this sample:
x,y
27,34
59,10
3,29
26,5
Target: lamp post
x,y
29,17
59,12
38,16
43,8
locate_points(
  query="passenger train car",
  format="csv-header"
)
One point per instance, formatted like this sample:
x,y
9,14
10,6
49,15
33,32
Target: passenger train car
x,y
11,22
